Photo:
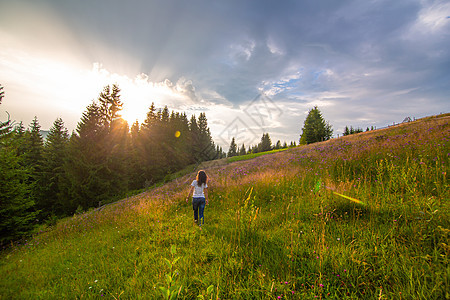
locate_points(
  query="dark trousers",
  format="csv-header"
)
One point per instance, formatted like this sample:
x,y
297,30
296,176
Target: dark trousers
x,y
198,204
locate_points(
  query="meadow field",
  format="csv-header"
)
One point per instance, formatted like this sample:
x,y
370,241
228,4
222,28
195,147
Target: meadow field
x,y
277,227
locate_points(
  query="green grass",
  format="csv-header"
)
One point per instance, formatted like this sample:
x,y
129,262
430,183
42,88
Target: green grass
x,y
268,233
253,155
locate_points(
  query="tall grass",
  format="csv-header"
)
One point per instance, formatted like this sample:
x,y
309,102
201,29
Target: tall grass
x,y
268,233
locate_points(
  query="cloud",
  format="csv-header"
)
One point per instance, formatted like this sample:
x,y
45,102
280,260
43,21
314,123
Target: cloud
x,y
434,18
367,62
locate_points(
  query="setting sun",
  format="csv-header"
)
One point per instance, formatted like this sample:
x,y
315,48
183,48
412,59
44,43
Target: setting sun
x,y
133,112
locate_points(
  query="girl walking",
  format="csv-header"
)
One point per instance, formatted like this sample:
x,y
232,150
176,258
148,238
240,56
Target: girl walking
x,y
200,196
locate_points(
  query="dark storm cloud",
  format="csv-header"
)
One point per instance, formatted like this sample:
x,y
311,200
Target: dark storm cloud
x,y
226,45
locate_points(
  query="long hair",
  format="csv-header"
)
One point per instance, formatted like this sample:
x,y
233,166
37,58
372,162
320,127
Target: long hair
x,y
201,178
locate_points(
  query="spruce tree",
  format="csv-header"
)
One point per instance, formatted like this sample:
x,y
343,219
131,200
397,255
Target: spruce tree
x,y
85,162
53,174
315,129
206,144
154,146
109,104
178,136
136,171
278,145
17,207
34,146
242,150
97,162
346,131
195,139
232,151
265,144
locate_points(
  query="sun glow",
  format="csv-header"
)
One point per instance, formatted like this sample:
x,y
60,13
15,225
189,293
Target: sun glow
x,y
132,112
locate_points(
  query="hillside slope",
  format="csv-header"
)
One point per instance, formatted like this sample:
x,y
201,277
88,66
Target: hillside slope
x,y
276,228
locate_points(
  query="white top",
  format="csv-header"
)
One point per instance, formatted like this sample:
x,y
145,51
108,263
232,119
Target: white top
x,y
198,190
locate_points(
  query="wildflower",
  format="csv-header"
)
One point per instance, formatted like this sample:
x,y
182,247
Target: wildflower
x,y
338,239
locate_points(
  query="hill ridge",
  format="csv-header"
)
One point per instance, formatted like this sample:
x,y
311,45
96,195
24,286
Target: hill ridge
x,y
269,233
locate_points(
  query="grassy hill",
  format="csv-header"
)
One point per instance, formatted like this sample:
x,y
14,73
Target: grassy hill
x,y
277,227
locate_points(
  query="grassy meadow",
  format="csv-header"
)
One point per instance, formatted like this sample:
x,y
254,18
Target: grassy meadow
x,y
276,227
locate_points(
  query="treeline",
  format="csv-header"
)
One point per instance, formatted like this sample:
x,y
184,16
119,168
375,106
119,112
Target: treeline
x,y
263,146
351,130
102,159
315,129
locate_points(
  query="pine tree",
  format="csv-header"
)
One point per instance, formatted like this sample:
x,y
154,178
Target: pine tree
x,y
278,145
242,150
53,174
17,207
315,128
206,143
346,131
109,104
179,138
232,151
220,154
194,132
265,144
136,169
33,148
35,144
86,162
153,135
97,161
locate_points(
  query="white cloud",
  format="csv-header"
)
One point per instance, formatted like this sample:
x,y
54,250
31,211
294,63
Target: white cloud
x,y
50,88
274,47
354,59
434,18
242,51
281,84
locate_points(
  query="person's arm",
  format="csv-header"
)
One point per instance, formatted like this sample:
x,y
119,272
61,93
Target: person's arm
x,y
189,194
205,191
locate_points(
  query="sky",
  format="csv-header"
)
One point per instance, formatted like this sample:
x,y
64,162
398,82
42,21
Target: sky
x,y
252,66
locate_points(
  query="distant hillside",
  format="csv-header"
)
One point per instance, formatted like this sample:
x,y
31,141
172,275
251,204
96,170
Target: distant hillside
x,y
364,216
